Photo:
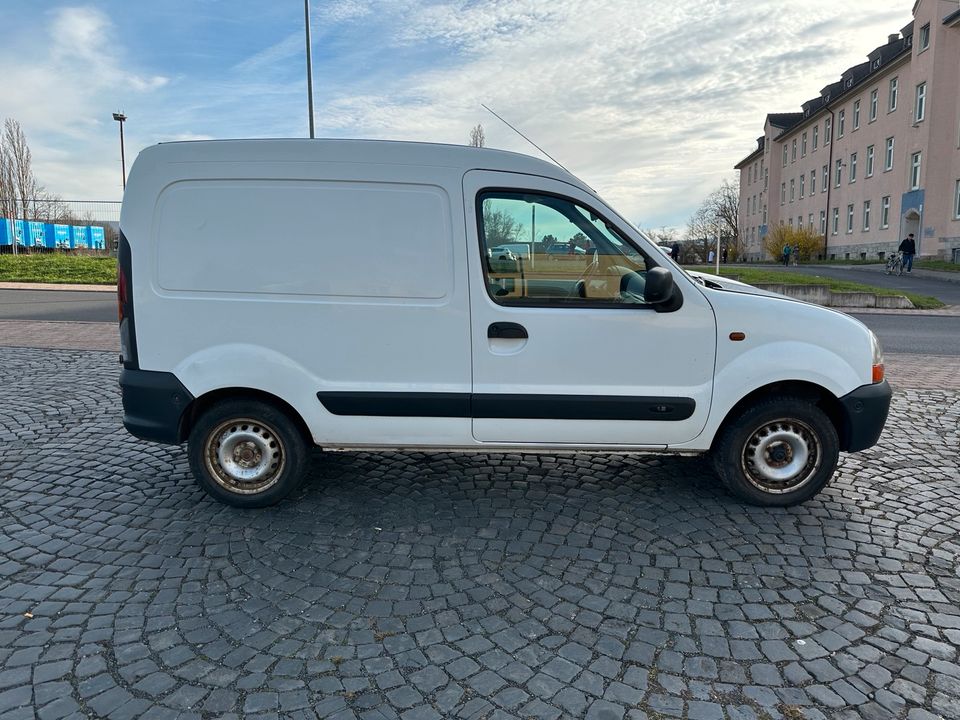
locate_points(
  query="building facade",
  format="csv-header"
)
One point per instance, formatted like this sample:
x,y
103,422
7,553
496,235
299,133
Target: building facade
x,y
876,156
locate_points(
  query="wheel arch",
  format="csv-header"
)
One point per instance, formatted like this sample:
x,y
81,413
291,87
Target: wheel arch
x,y
800,389
201,404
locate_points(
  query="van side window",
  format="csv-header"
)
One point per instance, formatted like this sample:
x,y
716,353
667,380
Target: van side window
x,y
547,250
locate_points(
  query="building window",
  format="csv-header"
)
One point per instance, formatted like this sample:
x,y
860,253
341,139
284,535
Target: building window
x,y
783,193
870,155
803,185
924,37
894,86
793,155
839,173
836,220
790,222
856,115
826,130
823,222
810,221
826,178
813,181
885,212
816,136
850,218
764,214
915,171
866,215
793,185
841,122
784,154
956,201
803,146
888,157
921,102
874,102
853,167
799,221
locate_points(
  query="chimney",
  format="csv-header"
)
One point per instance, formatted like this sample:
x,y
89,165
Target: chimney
x,y
892,38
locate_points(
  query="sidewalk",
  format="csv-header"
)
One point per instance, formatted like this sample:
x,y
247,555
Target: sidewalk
x,y
56,286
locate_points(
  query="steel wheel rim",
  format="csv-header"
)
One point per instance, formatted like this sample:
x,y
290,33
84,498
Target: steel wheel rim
x,y
781,456
245,456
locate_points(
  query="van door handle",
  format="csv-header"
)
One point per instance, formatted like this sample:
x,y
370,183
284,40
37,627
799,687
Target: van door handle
x,y
507,331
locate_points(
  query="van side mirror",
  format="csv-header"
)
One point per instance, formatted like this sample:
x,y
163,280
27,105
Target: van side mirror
x,y
661,291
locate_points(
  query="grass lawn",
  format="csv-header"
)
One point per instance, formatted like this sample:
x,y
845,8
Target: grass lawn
x,y
56,268
936,265
753,276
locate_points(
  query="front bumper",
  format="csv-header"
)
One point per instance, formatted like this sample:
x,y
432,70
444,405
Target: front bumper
x,y
865,412
153,405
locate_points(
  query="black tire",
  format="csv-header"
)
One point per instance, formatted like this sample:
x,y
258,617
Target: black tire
x,y
779,452
268,458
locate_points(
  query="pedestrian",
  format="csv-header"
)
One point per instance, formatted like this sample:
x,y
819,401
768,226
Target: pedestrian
x,y
675,252
723,256
796,254
786,254
710,257
909,248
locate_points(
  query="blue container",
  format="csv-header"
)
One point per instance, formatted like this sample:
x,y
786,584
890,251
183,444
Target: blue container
x,y
97,239
19,232
36,235
80,236
4,231
61,236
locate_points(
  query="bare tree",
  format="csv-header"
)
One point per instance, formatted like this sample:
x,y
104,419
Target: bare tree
x,y
717,215
477,138
500,228
21,195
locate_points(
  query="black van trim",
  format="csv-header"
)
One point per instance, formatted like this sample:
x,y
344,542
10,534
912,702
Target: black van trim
x,y
508,407
153,405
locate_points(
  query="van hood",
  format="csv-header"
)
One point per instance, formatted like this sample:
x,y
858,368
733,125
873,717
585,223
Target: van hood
x,y
731,285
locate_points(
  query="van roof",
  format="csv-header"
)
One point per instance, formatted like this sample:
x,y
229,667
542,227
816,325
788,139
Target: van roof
x,y
390,152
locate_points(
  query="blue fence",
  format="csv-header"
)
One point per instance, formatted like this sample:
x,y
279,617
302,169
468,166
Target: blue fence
x,y
32,234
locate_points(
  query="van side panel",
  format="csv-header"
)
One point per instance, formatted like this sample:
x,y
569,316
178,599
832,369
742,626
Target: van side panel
x,y
310,238
305,277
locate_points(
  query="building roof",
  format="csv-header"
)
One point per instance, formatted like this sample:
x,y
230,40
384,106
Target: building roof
x,y
878,60
784,120
752,156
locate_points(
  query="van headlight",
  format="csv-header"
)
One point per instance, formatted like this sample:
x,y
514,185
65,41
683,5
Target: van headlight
x,y
878,369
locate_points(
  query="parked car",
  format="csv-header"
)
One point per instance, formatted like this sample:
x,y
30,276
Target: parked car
x,y
276,295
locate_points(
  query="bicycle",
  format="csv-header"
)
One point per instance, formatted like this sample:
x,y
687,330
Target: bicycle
x,y
894,264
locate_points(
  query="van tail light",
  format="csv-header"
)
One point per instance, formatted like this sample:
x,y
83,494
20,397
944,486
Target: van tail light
x,y
121,294
878,373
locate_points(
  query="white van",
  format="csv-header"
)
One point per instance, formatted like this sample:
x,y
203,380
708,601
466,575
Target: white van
x,y
280,294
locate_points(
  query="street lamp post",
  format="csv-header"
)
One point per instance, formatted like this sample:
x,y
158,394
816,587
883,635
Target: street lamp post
x,y
306,21
120,117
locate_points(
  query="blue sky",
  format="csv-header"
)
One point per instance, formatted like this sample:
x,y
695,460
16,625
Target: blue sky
x,y
649,102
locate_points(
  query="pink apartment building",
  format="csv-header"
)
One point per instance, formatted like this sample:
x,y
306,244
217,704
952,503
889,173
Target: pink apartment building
x,y
876,156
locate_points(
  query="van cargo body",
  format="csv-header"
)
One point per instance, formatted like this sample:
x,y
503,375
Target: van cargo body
x,y
278,294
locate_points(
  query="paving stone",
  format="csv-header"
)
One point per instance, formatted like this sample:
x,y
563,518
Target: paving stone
x,y
411,585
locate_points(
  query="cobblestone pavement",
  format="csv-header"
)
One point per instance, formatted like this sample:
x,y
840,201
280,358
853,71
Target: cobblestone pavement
x,y
403,585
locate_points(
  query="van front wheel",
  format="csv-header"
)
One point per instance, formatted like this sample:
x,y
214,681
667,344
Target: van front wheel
x,y
247,453
780,452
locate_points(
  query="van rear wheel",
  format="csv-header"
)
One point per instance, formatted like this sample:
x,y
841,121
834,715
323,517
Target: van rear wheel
x,y
780,452
247,453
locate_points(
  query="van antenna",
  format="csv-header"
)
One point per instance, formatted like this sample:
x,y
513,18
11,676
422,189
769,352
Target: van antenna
x,y
524,137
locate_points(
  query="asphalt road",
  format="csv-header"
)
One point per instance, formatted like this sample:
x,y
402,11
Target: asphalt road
x,y
947,292
71,306
915,334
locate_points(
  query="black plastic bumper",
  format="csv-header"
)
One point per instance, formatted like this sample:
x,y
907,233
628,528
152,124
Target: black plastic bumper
x,y
153,404
865,412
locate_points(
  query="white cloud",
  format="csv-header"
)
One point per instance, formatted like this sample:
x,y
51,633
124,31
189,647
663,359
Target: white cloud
x,y
651,103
